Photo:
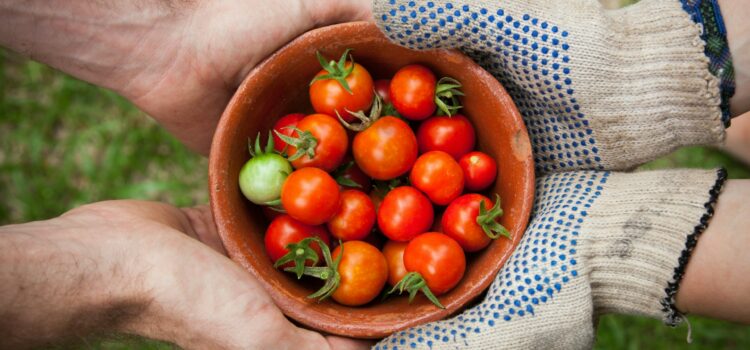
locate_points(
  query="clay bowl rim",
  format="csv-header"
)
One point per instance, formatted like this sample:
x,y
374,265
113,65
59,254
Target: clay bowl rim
x,y
219,181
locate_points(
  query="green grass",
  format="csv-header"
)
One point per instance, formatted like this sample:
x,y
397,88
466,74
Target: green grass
x,y
65,142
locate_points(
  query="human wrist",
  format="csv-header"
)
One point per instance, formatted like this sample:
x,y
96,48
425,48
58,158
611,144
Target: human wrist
x,y
62,280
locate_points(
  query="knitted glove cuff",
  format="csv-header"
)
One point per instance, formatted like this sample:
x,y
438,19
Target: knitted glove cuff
x,y
708,14
646,229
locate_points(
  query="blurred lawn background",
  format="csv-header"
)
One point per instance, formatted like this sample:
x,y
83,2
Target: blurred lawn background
x,y
64,143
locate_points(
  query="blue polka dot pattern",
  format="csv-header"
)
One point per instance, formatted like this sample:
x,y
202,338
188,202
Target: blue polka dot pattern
x,y
527,54
546,260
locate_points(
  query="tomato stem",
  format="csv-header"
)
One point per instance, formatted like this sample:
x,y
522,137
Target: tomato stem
x,y
413,282
299,253
328,273
365,121
336,70
447,92
256,150
305,143
487,219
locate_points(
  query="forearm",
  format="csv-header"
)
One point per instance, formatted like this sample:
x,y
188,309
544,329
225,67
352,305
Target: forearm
x,y
716,282
55,286
736,14
103,42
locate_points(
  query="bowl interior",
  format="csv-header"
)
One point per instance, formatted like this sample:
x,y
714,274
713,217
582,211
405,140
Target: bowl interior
x,y
279,86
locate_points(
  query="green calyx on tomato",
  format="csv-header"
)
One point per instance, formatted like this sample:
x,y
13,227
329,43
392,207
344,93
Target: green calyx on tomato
x,y
299,253
336,70
262,177
382,187
365,121
329,273
388,109
305,143
446,96
487,220
340,176
413,282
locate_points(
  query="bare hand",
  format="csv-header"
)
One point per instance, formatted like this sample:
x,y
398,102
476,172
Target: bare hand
x,y
141,268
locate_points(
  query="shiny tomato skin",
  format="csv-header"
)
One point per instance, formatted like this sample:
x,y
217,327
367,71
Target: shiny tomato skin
x,y
383,89
355,217
363,271
405,213
412,91
460,222
310,195
328,96
284,230
480,170
438,175
284,126
385,150
438,258
394,255
333,142
453,135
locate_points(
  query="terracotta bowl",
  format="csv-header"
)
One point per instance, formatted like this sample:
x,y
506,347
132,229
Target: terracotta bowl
x,y
279,86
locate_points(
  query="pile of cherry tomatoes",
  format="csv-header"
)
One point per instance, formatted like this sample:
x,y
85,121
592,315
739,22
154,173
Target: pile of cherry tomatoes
x,y
323,191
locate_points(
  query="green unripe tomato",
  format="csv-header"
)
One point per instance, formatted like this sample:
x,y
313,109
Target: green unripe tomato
x,y
262,176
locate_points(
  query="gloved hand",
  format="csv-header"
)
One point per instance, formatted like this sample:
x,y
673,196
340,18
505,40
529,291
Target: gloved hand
x,y
599,242
598,89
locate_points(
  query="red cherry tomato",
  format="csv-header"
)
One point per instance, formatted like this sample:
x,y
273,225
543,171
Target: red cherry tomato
x,y
310,195
438,175
394,255
285,126
331,142
460,222
385,150
453,135
328,96
405,213
480,170
285,230
412,91
355,217
382,88
363,271
438,258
